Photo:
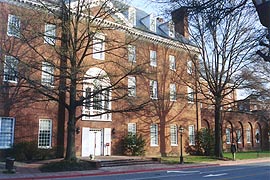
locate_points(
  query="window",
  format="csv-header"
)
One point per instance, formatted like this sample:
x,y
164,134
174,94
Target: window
x,y
228,135
173,129
14,24
132,86
172,62
45,133
154,135
171,28
6,132
191,133
10,69
47,77
132,16
248,136
190,95
132,128
97,102
152,23
153,58
49,34
257,136
189,67
172,92
131,53
238,136
153,89
99,47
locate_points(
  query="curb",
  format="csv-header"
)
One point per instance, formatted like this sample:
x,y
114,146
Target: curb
x,y
78,174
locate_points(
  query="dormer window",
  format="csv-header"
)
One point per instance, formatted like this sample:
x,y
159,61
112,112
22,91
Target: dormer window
x,y
132,16
152,23
171,32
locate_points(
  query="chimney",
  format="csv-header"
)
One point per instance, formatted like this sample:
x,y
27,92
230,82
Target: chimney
x,y
180,20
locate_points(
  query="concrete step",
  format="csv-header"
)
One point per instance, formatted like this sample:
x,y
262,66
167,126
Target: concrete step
x,y
126,162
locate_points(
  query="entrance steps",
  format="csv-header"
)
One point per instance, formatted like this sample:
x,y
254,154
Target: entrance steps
x,y
112,161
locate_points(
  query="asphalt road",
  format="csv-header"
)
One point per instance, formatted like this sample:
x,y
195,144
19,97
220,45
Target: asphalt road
x,y
259,171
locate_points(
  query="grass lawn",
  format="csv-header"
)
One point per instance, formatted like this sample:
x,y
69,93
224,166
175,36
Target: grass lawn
x,y
189,159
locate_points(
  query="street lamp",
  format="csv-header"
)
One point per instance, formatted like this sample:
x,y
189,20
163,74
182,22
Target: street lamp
x,y
263,9
181,130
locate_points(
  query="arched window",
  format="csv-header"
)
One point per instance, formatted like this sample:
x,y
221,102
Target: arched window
x,y
96,91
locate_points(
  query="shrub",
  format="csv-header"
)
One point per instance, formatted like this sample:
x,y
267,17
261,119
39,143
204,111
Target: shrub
x,y
204,144
134,145
67,166
27,151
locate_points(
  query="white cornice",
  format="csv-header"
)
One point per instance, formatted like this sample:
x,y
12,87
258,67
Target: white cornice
x,y
132,31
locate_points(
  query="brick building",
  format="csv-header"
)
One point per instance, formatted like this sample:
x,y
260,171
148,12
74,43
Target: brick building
x,y
118,44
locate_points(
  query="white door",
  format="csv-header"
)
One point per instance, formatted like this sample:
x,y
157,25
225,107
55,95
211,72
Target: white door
x,y
91,142
107,142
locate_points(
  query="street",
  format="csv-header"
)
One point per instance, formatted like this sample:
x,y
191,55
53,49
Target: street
x,y
259,171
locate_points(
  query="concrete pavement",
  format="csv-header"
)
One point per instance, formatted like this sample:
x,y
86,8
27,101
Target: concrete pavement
x,y
30,171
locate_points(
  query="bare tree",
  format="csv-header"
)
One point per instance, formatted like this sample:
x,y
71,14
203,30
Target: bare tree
x,y
224,31
75,34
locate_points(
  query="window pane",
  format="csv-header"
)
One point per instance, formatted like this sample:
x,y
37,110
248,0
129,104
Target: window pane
x,y
191,135
132,128
47,74
45,133
172,92
50,34
6,132
131,53
154,134
10,69
13,25
153,58
228,135
132,86
173,135
172,62
99,47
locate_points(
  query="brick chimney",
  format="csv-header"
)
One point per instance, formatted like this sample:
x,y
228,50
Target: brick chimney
x,y
180,19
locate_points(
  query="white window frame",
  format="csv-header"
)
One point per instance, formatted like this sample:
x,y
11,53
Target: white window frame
x,y
131,53
50,34
172,62
189,67
172,92
171,29
132,128
14,25
248,136
190,96
7,134
191,135
153,23
239,136
10,69
174,133
154,135
99,46
153,89
45,125
96,78
47,74
153,58
132,16
228,136
131,86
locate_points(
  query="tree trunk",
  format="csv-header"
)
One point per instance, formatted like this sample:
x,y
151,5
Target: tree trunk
x,y
71,152
162,137
62,86
218,140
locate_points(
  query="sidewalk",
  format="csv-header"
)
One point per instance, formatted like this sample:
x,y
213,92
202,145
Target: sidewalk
x,y
30,171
